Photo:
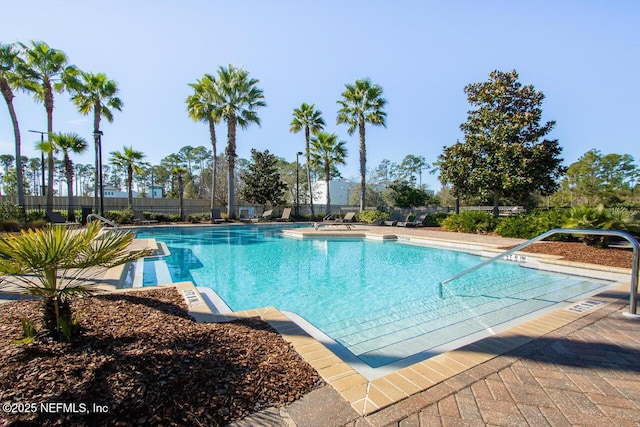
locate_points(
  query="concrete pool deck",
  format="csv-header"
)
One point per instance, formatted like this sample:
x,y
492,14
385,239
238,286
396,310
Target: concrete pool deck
x,y
568,367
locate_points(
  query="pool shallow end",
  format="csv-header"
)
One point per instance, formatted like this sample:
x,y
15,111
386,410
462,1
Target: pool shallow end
x,y
368,396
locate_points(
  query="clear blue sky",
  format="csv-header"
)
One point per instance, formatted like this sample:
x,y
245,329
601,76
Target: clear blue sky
x,y
584,55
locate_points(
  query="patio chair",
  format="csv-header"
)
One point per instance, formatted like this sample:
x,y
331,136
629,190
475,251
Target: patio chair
x,y
286,215
216,218
56,218
138,218
266,216
393,221
416,222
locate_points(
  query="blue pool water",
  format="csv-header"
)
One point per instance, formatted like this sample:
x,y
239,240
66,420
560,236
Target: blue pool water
x,y
381,300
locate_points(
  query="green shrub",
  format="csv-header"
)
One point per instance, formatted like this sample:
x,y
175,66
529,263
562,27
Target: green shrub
x,y
198,218
372,216
470,222
162,217
120,217
601,218
532,224
10,225
10,210
36,223
434,219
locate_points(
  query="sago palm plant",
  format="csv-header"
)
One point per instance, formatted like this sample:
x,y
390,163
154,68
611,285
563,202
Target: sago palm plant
x,y
50,262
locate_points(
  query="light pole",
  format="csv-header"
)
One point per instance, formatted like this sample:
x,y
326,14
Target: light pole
x,y
97,135
42,186
299,153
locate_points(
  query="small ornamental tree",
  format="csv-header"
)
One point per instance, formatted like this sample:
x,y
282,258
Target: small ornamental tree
x,y
52,262
262,183
503,154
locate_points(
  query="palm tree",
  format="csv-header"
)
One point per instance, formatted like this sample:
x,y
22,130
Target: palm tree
x,y
179,172
69,142
128,160
239,99
10,80
95,92
362,103
204,105
308,118
49,262
45,71
327,151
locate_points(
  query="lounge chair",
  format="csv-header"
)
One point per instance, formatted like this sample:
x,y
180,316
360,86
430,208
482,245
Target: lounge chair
x,y
138,218
393,221
416,222
266,216
286,215
216,218
333,218
56,218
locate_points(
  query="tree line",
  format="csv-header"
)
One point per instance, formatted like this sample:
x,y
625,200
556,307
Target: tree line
x,y
504,154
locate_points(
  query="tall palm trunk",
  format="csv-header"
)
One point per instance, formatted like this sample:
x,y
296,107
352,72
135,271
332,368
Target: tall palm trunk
x,y
130,186
212,131
307,137
48,103
8,95
327,179
363,162
231,158
97,112
68,166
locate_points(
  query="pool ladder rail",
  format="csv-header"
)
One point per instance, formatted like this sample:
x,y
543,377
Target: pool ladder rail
x,y
633,292
102,220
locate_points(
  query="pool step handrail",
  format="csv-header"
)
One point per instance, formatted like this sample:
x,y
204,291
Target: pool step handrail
x,y
633,292
101,219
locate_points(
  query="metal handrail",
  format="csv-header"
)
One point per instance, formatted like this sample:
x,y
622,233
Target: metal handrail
x,y
633,292
102,219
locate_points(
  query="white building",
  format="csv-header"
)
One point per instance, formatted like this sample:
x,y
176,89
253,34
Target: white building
x,y
339,191
111,191
155,191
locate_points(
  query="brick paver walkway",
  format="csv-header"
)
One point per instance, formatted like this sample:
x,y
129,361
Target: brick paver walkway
x,y
584,374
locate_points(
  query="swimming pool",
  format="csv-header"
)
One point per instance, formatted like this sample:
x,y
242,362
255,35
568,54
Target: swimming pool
x,y
382,301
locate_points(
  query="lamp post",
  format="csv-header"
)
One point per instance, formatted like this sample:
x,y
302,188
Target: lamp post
x,y
42,186
97,135
299,153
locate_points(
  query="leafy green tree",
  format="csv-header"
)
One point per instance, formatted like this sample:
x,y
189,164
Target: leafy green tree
x,y
45,71
327,151
50,263
411,166
129,160
362,103
95,92
503,155
69,142
10,80
599,179
240,97
262,181
307,118
205,106
407,196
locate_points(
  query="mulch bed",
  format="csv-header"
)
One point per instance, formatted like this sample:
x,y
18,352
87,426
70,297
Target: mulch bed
x,y
144,360
579,252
